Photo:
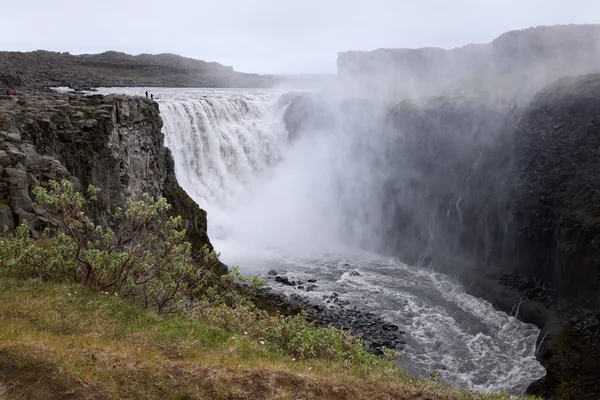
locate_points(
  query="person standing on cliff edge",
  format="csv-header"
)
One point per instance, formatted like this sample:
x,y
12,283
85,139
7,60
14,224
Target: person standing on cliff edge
x,y
146,94
151,97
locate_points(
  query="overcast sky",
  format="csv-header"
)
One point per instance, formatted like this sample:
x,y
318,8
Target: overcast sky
x,y
272,36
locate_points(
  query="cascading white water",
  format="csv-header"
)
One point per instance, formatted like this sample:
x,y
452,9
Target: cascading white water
x,y
221,144
274,203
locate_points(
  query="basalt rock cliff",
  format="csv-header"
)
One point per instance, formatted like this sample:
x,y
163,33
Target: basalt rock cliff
x,y
112,142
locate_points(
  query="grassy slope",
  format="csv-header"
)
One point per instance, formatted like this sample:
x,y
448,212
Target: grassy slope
x,y
63,341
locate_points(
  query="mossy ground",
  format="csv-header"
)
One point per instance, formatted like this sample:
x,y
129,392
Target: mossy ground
x,y
63,341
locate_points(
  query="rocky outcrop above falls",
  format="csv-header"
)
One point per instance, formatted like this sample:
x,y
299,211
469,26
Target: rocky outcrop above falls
x,y
515,65
112,142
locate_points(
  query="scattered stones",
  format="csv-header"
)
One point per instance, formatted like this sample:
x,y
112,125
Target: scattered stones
x,y
272,273
373,329
375,332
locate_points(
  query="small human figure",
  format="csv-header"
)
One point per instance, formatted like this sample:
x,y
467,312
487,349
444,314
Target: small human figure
x,y
146,94
151,97
14,92
8,92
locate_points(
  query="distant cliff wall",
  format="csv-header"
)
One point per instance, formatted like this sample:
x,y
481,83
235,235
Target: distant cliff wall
x,y
41,69
515,65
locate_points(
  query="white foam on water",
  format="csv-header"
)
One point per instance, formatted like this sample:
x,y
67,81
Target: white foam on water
x,y
272,204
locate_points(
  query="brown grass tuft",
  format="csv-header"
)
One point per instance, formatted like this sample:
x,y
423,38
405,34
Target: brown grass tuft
x,y
3,391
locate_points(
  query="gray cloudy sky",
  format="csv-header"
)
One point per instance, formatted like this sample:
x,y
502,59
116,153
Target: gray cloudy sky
x,y
272,36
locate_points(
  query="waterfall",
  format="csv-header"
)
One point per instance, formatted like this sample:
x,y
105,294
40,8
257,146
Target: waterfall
x,y
310,206
222,144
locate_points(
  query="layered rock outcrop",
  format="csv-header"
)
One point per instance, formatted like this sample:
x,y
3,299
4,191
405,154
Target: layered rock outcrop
x,y
112,142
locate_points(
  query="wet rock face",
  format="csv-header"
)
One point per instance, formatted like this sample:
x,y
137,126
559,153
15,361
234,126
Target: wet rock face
x,y
112,142
514,188
307,113
447,187
558,155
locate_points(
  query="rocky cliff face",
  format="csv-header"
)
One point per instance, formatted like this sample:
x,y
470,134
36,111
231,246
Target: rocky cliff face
x,y
515,65
557,151
448,187
112,142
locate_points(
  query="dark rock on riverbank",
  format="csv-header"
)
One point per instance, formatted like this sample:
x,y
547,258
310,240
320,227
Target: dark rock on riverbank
x,y
112,142
371,328
284,280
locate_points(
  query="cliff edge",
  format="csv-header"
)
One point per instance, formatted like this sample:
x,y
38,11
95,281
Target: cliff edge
x,y
112,142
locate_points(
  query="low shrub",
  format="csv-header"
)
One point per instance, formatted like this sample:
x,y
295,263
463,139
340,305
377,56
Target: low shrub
x,y
294,335
148,259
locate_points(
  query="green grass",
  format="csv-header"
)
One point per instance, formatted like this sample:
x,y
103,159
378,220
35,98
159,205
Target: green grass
x,y
63,338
